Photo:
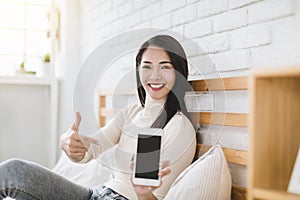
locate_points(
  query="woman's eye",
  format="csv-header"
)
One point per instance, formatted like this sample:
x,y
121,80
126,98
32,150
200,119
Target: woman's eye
x,y
166,67
146,67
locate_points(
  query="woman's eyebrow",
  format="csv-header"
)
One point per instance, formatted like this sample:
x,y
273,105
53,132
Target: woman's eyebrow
x,y
147,62
161,62
164,62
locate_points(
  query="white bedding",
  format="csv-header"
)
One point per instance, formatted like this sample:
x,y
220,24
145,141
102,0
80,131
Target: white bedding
x,y
93,173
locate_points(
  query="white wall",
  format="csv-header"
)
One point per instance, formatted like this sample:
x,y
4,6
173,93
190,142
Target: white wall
x,y
25,123
237,35
68,60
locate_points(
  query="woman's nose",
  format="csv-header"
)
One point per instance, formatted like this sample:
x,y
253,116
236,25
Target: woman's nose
x,y
156,74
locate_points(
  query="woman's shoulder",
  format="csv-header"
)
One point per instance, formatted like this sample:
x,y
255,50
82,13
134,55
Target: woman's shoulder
x,y
182,117
131,109
126,112
181,121
179,130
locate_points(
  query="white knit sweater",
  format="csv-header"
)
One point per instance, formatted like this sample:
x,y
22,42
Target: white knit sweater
x,y
178,145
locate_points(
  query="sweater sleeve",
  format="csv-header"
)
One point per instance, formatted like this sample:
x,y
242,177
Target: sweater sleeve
x,y
106,137
179,146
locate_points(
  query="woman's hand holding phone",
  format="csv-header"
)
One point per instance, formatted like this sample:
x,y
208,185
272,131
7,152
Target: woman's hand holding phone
x,y
75,145
145,192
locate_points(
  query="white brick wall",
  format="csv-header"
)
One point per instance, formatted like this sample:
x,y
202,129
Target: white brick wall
x,y
214,43
270,10
207,8
183,15
151,11
163,21
217,25
235,34
199,28
250,36
231,20
240,3
171,5
232,60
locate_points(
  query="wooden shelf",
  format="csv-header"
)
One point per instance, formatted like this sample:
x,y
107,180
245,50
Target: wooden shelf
x,y
27,80
260,193
274,131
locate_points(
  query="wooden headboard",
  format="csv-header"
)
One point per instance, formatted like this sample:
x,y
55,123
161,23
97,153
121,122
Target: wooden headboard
x,y
214,118
225,119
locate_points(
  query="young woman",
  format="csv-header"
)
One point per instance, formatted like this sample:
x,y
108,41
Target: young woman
x,y
161,73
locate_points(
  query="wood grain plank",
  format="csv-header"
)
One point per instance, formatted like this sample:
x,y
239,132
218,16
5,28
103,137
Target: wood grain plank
x,y
266,193
238,192
233,83
102,104
232,155
224,119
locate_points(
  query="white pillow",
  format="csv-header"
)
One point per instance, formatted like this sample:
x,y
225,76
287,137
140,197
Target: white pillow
x,y
207,178
94,173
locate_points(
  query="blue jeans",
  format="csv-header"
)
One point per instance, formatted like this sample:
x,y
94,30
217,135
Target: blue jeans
x,y
26,180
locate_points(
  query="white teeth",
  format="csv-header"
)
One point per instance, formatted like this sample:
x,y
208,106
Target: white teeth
x,y
156,85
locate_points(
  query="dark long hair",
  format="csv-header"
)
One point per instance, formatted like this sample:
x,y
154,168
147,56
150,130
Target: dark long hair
x,y
175,98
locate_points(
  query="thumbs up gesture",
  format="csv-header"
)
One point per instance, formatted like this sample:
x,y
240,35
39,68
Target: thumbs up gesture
x,y
76,123
75,145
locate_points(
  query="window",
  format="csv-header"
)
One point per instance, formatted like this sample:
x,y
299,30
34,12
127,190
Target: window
x,y
25,27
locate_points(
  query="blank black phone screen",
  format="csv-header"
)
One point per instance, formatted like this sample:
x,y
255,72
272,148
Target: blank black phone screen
x,y
148,156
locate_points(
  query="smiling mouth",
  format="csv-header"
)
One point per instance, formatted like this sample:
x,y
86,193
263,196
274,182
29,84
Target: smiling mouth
x,y
156,87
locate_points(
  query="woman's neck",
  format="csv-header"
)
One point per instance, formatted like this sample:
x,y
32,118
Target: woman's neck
x,y
149,102
154,106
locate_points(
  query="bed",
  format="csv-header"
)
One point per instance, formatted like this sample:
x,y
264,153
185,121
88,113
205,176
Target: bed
x,y
81,173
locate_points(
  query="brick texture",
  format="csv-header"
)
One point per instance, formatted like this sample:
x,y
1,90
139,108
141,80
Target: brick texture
x,y
222,28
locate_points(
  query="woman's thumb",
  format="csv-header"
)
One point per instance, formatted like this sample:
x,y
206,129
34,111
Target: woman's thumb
x,y
76,123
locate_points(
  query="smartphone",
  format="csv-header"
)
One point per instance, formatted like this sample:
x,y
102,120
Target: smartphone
x,y
147,157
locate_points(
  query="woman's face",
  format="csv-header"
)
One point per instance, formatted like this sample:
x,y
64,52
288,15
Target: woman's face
x,y
156,72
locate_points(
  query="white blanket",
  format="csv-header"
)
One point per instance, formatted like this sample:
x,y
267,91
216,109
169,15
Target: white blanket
x,y
93,173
